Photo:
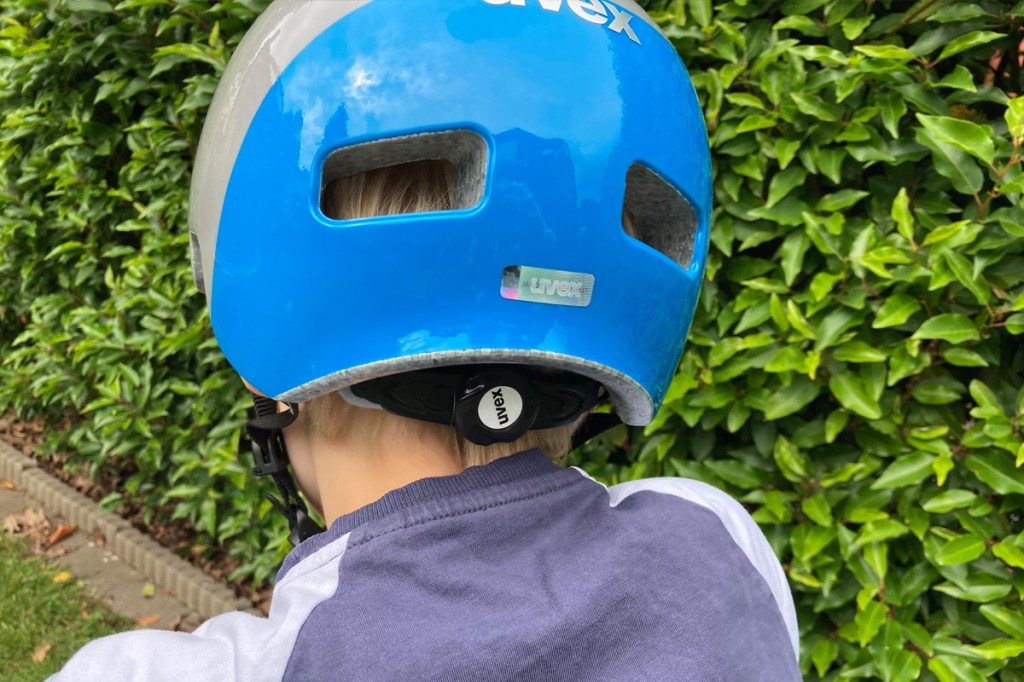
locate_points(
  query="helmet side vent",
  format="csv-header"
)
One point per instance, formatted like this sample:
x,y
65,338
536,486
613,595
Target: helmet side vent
x,y
461,153
661,216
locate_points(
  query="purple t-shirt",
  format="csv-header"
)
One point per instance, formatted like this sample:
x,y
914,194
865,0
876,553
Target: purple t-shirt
x,y
517,570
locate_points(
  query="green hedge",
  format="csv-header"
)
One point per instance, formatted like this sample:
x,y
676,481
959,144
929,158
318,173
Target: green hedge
x,y
854,374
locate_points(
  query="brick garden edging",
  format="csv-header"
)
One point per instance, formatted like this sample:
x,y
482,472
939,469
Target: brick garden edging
x,y
167,570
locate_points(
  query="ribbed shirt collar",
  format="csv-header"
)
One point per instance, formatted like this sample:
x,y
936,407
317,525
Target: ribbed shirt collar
x,y
448,490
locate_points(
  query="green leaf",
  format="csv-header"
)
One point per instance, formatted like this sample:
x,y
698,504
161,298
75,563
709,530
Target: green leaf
x,y
835,423
744,99
960,550
1015,324
858,351
797,319
756,122
962,357
814,106
854,26
787,359
905,666
1010,621
997,471
968,41
999,649
1014,116
818,510
737,473
970,137
700,10
1011,554
824,654
944,232
900,213
792,251
894,108
723,350
952,327
840,200
791,461
896,310
886,52
965,274
785,151
850,391
942,465
833,325
783,183
955,498
810,540
952,163
905,470
101,6
987,404
960,78
869,622
949,668
880,531
979,592
792,398
937,390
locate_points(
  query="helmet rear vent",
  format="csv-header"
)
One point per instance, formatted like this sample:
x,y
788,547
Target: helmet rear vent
x,y
453,163
661,216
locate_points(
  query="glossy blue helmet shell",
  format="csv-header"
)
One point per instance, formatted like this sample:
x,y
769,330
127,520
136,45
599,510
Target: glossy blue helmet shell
x,y
553,104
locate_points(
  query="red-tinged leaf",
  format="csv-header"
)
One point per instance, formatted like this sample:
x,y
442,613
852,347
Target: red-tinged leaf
x,y
147,621
61,532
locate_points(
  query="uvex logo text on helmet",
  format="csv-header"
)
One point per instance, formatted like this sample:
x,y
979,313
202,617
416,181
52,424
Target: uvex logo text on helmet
x,y
499,407
594,11
560,287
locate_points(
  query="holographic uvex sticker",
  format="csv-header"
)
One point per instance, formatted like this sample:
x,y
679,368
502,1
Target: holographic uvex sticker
x,y
558,287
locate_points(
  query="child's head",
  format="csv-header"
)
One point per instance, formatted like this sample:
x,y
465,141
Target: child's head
x,y
504,141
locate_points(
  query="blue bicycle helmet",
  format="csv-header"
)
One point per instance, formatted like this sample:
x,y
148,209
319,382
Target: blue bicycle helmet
x,y
556,115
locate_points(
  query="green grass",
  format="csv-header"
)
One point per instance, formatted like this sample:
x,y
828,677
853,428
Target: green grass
x,y
34,610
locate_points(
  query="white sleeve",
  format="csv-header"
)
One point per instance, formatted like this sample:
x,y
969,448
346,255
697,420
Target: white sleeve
x,y
741,527
232,646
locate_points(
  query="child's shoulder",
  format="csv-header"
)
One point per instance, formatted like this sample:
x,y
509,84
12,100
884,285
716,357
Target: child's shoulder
x,y
740,526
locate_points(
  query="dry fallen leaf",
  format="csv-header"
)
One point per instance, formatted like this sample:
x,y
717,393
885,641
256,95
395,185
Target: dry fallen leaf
x,y
62,577
12,523
176,623
35,525
4,483
40,653
34,517
146,621
61,532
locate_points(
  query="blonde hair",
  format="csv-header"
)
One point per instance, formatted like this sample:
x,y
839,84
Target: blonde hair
x,y
412,188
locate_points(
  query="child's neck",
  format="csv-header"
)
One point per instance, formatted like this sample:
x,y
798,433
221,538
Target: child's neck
x,y
363,467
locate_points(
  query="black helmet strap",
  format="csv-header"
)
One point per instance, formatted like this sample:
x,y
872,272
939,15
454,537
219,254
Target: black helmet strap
x,y
270,458
486,403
